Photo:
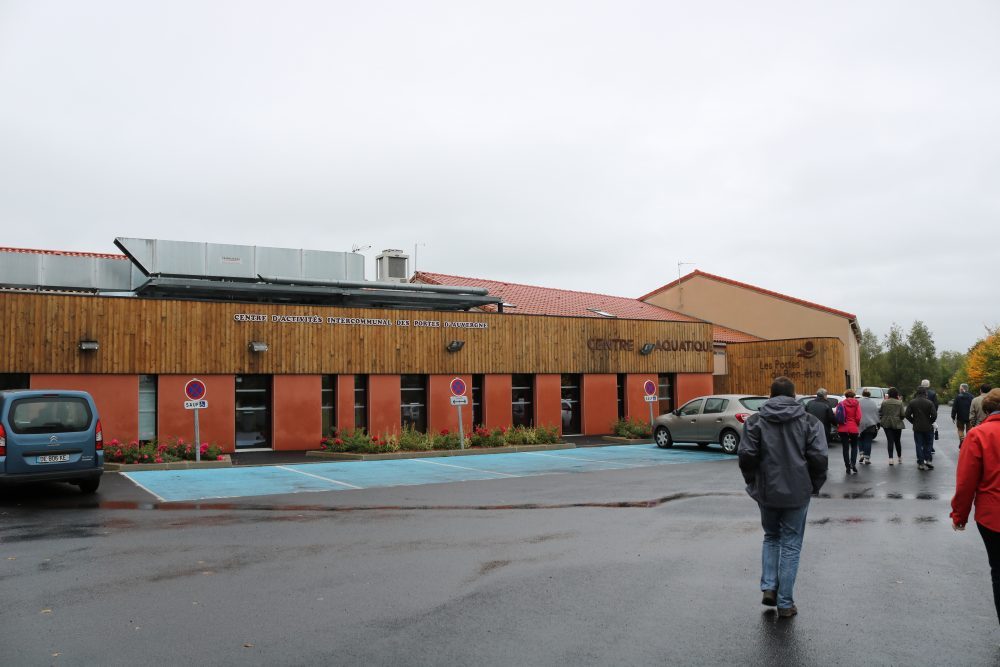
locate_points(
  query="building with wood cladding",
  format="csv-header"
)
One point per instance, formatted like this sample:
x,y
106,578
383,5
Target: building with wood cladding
x,y
294,343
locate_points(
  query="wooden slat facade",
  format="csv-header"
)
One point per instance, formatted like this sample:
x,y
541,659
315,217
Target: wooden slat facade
x,y
41,332
809,362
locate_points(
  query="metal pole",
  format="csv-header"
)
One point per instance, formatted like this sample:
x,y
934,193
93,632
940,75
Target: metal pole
x,y
652,419
461,431
197,437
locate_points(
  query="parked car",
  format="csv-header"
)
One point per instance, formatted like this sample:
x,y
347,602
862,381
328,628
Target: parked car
x,y
878,394
707,419
833,400
50,436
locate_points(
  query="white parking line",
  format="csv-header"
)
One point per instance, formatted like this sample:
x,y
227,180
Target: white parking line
x,y
160,498
325,479
580,458
452,465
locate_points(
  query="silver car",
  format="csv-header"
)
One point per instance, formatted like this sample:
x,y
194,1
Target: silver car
x,y
707,419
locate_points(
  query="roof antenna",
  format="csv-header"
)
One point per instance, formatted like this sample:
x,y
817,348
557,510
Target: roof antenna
x,y
360,248
680,285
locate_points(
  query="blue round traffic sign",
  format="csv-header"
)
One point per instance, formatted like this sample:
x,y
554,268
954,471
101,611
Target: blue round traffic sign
x,y
458,387
195,390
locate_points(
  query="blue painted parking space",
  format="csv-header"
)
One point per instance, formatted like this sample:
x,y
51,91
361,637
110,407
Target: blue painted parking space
x,y
188,485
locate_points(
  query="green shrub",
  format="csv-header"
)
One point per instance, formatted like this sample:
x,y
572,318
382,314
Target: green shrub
x,y
169,450
632,428
546,435
445,440
484,437
412,440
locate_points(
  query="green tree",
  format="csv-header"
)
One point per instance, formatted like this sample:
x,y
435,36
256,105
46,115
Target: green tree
x,y
898,362
872,360
923,355
950,364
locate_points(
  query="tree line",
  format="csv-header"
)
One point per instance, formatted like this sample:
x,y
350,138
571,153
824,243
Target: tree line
x,y
902,359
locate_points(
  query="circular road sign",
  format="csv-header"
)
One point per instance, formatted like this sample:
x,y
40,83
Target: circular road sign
x,y
649,387
195,390
458,387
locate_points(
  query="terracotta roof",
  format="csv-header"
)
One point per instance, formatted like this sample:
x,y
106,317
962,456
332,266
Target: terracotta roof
x,y
723,334
65,253
761,290
534,300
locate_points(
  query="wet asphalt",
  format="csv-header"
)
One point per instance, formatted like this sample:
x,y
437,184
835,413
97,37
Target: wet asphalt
x,y
628,567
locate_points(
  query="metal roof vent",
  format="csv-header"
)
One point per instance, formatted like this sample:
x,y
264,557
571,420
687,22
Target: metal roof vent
x,y
393,266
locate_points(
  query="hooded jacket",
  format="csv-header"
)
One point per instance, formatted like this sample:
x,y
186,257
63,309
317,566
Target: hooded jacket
x,y
852,412
978,476
922,414
891,412
783,455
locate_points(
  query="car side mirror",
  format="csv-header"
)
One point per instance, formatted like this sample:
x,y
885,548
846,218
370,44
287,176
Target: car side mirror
x,y
676,413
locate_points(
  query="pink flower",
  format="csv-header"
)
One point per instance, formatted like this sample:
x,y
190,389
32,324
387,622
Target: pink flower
x,y
338,441
159,460
204,447
220,458
180,441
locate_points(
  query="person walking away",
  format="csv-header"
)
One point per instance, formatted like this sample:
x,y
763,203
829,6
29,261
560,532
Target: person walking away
x,y
891,417
848,430
819,408
976,415
932,397
783,458
921,413
978,481
960,412
868,427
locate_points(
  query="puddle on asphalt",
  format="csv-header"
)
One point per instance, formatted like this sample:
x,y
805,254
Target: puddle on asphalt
x,y
868,495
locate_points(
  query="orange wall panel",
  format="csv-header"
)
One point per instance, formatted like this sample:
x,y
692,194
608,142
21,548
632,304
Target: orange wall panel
x,y
345,402
217,422
692,385
441,414
636,406
497,407
384,415
296,416
116,397
599,396
548,400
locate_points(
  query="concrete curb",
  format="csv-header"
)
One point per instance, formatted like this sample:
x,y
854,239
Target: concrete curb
x,y
227,462
629,441
347,456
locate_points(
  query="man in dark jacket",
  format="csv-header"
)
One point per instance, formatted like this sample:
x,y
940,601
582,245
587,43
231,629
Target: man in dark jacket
x,y
820,408
960,411
783,461
922,414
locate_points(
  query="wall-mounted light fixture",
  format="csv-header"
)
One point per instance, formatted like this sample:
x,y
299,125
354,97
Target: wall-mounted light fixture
x,y
455,345
257,346
89,345
646,349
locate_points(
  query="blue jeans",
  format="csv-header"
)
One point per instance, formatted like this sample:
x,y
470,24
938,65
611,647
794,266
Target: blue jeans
x,y
925,445
783,530
865,441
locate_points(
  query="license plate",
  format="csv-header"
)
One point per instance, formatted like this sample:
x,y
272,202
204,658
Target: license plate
x,y
54,458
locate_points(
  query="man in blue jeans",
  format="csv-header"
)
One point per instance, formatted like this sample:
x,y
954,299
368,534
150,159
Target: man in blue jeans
x,y
922,413
783,458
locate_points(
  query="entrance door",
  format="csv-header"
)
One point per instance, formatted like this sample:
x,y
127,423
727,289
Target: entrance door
x,y
253,411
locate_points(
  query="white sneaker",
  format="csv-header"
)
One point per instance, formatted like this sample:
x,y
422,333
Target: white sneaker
x,y
892,462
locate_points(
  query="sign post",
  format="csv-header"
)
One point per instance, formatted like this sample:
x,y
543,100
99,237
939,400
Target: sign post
x,y
195,391
458,399
649,387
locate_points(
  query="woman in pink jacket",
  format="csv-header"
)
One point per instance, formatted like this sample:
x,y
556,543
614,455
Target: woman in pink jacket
x,y
848,430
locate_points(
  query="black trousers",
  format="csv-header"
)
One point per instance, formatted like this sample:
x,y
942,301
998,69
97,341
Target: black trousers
x,y
849,445
893,437
992,541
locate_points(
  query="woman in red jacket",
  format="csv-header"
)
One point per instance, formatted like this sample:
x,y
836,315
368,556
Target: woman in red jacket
x,y
848,430
979,480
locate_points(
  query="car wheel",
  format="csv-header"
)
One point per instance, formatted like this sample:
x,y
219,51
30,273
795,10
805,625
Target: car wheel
x,y
730,441
90,486
662,437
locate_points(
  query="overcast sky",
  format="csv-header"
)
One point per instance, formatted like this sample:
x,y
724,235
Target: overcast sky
x,y
842,152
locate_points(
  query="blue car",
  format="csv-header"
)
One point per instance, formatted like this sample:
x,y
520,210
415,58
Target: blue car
x,y
48,435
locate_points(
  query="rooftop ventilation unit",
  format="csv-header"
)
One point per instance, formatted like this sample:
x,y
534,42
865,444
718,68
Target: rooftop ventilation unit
x,y
393,266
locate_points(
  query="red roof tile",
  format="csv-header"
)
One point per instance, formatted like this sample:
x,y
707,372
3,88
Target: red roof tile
x,y
723,334
533,300
66,253
761,290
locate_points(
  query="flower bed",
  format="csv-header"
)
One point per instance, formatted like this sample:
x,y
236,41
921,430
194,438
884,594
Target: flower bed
x,y
411,440
633,429
170,450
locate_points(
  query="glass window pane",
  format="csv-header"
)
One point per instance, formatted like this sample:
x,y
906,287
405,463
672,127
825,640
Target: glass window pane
x,y
570,402
522,397
253,411
413,401
147,407
692,408
328,404
715,406
361,401
665,392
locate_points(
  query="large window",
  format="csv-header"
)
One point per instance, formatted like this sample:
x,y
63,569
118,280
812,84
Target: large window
x,y
522,395
665,392
621,395
147,407
14,381
477,401
570,404
361,401
253,411
328,404
413,401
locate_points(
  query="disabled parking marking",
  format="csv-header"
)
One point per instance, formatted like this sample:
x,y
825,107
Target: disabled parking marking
x,y
452,465
327,479
580,458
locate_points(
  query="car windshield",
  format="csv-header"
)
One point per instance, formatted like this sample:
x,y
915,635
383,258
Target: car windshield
x,y
876,392
753,402
50,414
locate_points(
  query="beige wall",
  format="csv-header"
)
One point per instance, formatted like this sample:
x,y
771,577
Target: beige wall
x,y
759,314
